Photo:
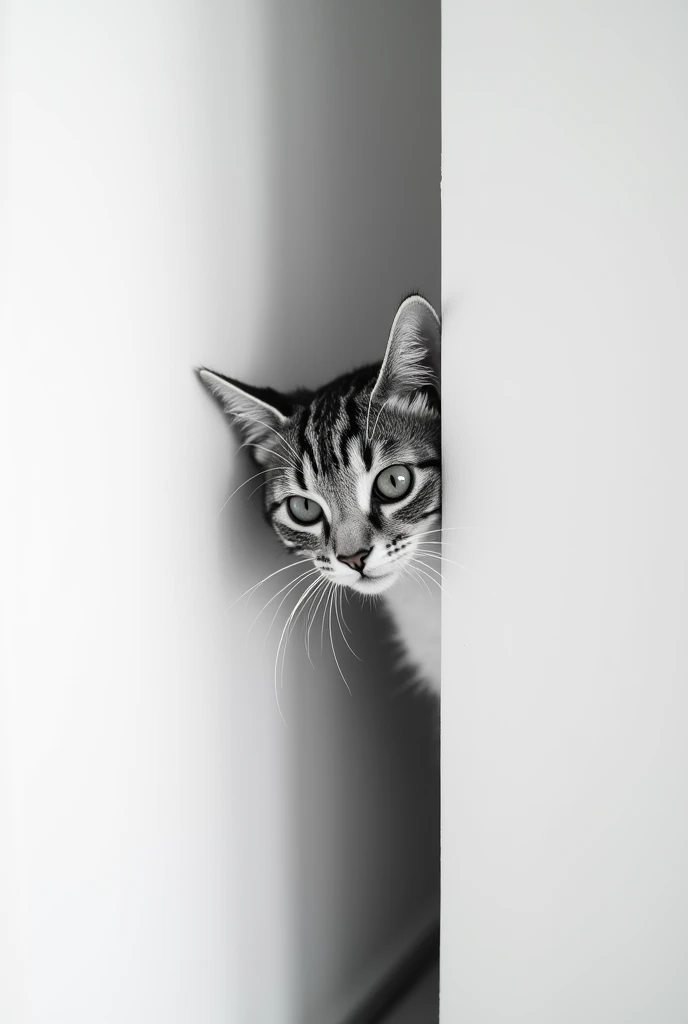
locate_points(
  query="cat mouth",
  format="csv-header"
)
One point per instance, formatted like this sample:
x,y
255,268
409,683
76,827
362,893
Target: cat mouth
x,y
367,583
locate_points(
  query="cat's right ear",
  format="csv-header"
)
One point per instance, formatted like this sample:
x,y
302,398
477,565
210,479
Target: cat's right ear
x,y
259,414
412,358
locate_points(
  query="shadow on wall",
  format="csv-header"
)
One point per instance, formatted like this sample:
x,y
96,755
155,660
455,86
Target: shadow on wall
x,y
353,221
355,177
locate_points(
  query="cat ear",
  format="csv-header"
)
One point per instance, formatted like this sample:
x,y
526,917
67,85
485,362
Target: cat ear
x,y
260,414
412,359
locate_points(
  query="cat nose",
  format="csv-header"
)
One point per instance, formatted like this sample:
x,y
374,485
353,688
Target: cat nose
x,y
356,561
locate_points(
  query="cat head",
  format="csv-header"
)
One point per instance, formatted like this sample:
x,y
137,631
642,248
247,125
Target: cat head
x,y
352,471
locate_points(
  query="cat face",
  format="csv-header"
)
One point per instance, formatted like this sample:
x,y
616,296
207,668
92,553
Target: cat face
x,y
352,471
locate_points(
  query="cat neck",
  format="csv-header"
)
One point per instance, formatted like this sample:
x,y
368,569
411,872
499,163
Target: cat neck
x,y
416,613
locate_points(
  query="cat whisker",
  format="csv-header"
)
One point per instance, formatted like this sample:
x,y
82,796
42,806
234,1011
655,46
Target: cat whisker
x,y
405,571
344,594
431,567
292,565
445,529
279,645
443,558
336,659
301,604
420,579
322,625
415,576
447,543
283,461
372,436
281,438
309,626
292,586
262,484
337,610
370,402
312,592
313,603
418,563
236,489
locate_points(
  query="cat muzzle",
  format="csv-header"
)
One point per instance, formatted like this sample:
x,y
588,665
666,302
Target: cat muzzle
x,y
356,561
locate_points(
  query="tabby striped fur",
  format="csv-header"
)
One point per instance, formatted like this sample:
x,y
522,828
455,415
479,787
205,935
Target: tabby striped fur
x,y
328,447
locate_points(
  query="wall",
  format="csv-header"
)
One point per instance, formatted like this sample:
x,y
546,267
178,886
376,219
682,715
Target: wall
x,y
235,185
565,255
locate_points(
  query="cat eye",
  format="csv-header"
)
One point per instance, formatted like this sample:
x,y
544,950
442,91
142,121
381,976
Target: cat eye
x,y
394,482
304,510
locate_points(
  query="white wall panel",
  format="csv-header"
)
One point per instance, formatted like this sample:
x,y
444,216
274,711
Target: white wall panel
x,y
222,184
565,690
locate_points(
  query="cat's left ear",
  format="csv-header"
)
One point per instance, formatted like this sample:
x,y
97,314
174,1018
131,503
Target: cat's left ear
x,y
259,414
412,358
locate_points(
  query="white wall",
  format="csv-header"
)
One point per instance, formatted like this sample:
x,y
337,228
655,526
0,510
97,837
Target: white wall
x,y
565,696
227,184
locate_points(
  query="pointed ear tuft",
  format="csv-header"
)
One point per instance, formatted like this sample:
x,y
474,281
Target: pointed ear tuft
x,y
412,358
260,414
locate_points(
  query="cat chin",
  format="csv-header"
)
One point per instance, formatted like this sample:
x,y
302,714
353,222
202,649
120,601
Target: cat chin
x,y
366,584
374,584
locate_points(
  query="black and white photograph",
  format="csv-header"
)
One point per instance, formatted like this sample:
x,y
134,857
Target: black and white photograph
x,y
343,543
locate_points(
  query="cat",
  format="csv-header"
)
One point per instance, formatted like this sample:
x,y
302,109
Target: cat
x,y
353,476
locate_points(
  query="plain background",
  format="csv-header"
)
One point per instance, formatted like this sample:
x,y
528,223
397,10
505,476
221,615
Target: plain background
x,y
253,186
127,895
565,685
